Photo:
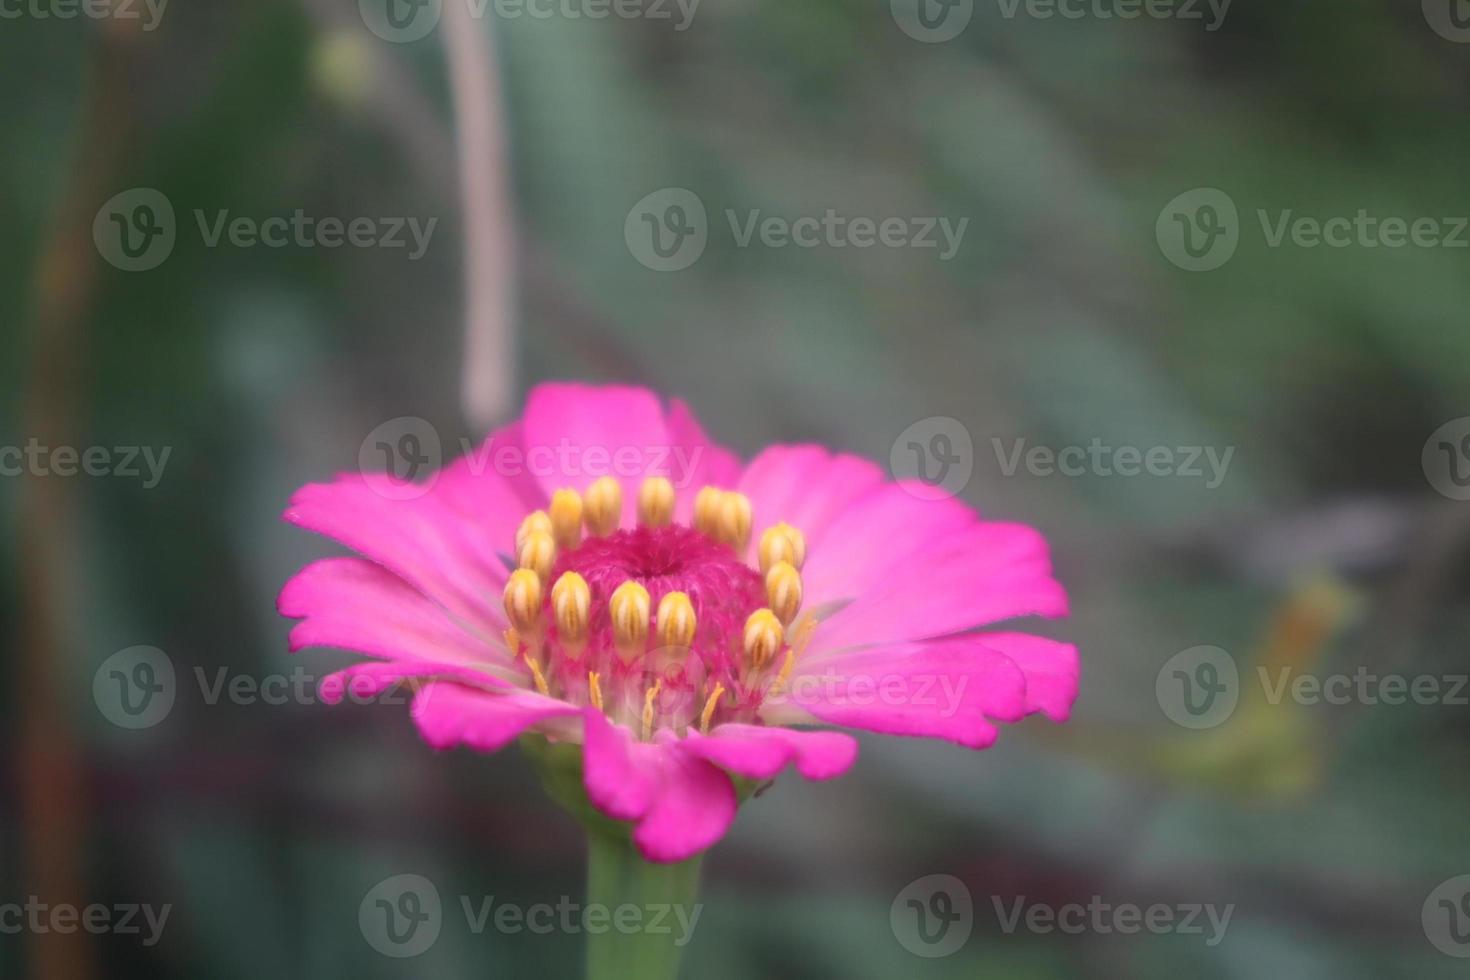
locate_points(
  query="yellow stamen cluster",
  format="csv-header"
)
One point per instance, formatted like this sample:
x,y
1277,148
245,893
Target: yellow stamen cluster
x,y
629,610
762,638
523,602
781,542
656,502
537,552
566,519
676,622
783,591
725,516
571,600
602,507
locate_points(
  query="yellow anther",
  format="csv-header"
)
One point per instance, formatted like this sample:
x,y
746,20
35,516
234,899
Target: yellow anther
x,y
538,553
594,689
566,519
676,622
734,520
537,520
602,506
629,611
781,542
570,601
648,699
523,601
513,642
709,708
762,639
779,684
707,511
655,502
783,591
536,674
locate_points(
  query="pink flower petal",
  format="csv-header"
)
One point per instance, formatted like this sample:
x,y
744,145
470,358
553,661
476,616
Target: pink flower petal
x,y
1051,668
885,529
575,433
489,487
760,752
694,806
353,604
985,574
420,540
450,714
372,677
805,486
696,461
615,783
949,689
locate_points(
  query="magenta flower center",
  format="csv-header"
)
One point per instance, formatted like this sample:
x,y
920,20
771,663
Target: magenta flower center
x,y
662,625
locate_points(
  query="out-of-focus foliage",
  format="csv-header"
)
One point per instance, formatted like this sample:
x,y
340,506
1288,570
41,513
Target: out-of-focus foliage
x,y
1059,321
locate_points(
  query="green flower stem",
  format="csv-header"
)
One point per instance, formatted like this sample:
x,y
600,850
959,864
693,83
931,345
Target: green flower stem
x,y
617,875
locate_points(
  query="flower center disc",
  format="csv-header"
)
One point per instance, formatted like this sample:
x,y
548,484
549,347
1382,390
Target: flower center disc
x,y
723,589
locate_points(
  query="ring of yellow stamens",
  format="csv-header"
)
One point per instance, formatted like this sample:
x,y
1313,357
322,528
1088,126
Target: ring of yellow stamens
x,y
537,520
537,553
629,610
594,689
783,591
676,622
566,519
762,638
571,599
523,593
656,502
602,506
733,526
781,542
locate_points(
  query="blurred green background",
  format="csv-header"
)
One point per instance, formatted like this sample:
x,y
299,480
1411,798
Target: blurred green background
x,y
1063,318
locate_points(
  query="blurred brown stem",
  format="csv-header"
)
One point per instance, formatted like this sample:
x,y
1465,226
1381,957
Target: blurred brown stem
x,y
51,788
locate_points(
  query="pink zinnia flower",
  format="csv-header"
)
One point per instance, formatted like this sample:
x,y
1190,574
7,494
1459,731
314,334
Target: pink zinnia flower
x,y
602,573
